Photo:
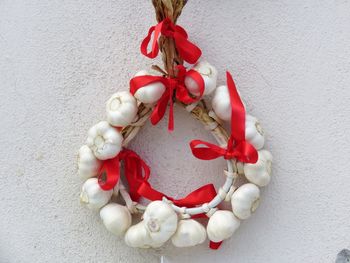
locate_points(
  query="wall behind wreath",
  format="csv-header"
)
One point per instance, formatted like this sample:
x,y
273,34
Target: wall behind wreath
x,y
61,60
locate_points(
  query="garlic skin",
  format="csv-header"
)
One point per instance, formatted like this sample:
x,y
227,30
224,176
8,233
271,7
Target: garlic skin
x,y
158,225
150,93
116,218
121,109
245,200
104,140
209,75
254,133
189,233
221,103
92,195
259,173
88,164
222,224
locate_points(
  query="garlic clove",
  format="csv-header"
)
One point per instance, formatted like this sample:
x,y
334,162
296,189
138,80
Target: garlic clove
x,y
189,233
222,224
259,173
116,218
209,75
92,195
137,236
254,133
221,103
104,140
121,109
245,200
160,220
150,93
88,164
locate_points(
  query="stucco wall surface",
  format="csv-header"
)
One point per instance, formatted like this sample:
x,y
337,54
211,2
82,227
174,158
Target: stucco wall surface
x,y
61,60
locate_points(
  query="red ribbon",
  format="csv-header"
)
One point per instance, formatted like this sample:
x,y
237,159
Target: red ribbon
x,y
199,196
187,50
135,169
172,85
237,146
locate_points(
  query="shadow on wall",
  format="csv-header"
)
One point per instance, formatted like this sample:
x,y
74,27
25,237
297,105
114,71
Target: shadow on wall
x,y
343,256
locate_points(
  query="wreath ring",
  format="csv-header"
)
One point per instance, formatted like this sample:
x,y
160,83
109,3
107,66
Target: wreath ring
x,y
166,218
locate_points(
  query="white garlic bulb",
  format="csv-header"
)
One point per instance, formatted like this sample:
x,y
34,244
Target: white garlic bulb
x,y
150,93
254,133
88,164
189,233
222,224
221,103
245,200
209,75
259,173
116,218
104,140
158,225
121,109
93,196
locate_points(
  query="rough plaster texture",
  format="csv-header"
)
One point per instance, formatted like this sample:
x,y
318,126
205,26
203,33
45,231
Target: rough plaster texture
x,y
60,61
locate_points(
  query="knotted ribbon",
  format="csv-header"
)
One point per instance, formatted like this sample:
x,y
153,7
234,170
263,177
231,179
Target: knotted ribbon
x,y
135,169
237,147
187,50
172,85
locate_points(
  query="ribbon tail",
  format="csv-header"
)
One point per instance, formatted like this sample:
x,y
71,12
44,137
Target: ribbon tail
x,y
159,110
200,196
187,50
215,245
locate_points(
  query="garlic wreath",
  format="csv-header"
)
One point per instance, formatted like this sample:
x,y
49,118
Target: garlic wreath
x,y
259,173
189,233
121,109
104,140
150,93
116,218
93,196
221,225
88,164
209,75
245,200
158,225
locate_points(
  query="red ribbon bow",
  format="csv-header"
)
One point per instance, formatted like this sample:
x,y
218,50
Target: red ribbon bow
x,y
237,146
172,85
187,50
135,169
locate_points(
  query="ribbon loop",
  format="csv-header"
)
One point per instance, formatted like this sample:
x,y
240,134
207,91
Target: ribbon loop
x,y
187,50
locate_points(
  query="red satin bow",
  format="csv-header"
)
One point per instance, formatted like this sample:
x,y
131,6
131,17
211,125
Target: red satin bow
x,y
237,146
199,196
172,85
187,50
135,169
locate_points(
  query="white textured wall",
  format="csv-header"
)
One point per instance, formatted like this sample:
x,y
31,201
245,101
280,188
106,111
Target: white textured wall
x,y
60,61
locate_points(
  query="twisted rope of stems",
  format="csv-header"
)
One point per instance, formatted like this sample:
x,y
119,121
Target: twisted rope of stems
x,y
172,9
